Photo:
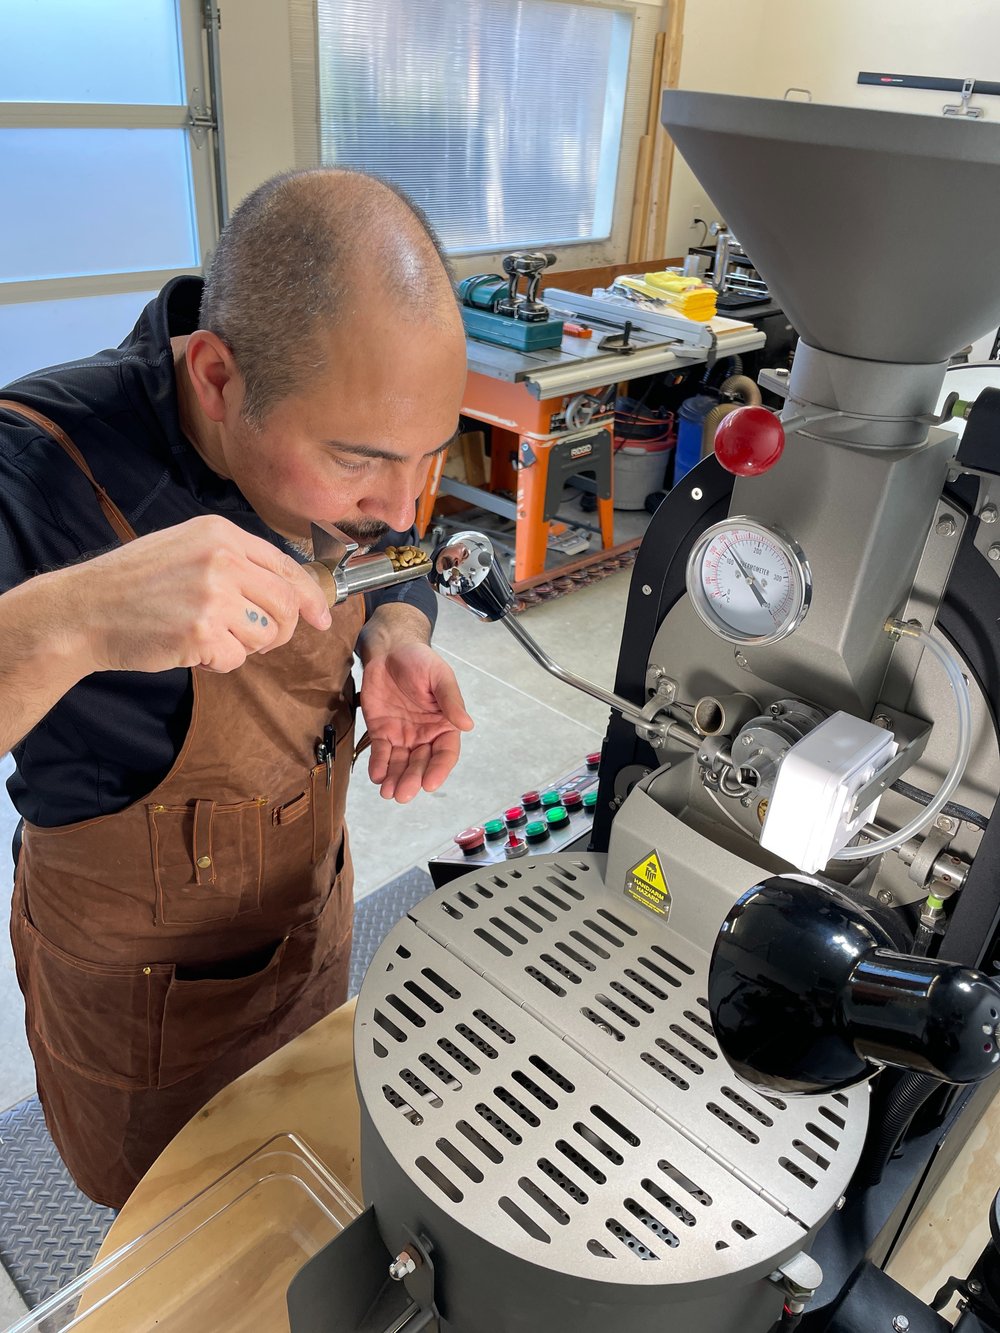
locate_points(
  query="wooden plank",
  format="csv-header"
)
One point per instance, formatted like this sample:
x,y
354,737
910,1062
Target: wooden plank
x,y
663,155
640,199
584,280
639,231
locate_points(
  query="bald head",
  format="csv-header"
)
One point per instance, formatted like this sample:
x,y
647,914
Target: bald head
x,y
310,254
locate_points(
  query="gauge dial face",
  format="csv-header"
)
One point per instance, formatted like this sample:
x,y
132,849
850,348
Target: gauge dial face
x,y
749,583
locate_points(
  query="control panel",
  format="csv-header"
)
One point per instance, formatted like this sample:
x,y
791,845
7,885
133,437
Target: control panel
x,y
542,819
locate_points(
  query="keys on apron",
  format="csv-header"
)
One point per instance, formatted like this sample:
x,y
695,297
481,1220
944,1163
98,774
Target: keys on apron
x,y
326,749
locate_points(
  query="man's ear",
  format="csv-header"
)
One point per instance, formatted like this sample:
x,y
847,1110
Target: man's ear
x,y
213,373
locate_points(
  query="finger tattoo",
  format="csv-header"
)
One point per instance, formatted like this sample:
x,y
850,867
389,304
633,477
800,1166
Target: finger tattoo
x,y
253,617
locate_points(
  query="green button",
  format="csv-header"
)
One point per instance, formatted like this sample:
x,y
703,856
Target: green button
x,y
550,798
589,800
557,816
536,830
495,828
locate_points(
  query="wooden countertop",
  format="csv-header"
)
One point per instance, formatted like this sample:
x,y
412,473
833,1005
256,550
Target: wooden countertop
x,y
305,1088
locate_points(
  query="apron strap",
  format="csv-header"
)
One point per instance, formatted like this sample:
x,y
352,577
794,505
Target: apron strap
x,y
111,512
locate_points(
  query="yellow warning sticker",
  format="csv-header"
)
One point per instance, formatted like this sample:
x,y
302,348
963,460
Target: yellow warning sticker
x,y
646,884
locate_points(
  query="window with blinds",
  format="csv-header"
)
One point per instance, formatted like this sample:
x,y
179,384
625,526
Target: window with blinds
x,y
501,118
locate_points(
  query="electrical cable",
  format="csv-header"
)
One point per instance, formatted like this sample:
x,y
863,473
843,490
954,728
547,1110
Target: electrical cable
x,y
789,1319
954,810
963,748
731,817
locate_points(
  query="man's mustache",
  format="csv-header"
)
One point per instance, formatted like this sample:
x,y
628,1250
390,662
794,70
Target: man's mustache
x,y
366,532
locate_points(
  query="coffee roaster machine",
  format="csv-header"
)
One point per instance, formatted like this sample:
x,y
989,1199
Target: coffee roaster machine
x,y
698,1075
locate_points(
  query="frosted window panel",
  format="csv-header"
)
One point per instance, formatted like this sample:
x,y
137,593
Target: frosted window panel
x,y
501,118
95,201
46,333
91,51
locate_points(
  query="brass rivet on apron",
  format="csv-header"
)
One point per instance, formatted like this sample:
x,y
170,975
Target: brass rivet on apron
x,y
146,971
204,862
158,809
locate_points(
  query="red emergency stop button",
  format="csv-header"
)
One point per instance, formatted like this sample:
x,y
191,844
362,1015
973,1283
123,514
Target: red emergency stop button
x,y
471,839
749,441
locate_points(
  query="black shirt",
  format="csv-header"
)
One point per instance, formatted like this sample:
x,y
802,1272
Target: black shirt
x,y
116,734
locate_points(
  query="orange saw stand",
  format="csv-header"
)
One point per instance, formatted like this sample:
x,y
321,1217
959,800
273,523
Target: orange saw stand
x,y
534,452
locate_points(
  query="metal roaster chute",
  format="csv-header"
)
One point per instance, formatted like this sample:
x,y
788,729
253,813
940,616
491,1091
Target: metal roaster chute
x,y
595,1092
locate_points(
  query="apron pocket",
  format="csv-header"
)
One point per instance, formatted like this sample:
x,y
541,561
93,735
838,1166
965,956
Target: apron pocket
x,y
313,945
208,860
205,1017
322,808
98,1019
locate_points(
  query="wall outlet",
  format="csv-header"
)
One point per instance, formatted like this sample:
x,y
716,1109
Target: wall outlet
x,y
698,215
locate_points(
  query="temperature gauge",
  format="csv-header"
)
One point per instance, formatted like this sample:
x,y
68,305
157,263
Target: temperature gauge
x,y
749,583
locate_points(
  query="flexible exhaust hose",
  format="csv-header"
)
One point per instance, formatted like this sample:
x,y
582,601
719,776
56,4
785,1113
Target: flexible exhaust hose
x,y
907,1097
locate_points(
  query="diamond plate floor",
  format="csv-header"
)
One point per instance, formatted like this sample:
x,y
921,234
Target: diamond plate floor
x,y
50,1231
375,916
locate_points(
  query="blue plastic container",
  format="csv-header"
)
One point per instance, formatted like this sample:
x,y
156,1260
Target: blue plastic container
x,y
690,421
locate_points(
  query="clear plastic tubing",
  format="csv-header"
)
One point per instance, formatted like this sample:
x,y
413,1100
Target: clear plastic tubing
x,y
963,707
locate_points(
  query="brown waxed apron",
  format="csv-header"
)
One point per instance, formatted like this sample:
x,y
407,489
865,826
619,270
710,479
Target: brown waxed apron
x,y
164,950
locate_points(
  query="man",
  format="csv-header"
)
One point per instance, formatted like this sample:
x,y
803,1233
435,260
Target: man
x,y
175,691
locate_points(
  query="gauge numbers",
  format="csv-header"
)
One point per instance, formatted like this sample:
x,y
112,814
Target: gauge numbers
x,y
749,583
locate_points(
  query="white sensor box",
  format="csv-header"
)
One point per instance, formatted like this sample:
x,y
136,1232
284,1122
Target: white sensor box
x,y
808,815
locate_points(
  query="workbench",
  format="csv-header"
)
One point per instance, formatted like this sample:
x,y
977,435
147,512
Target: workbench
x,y
526,398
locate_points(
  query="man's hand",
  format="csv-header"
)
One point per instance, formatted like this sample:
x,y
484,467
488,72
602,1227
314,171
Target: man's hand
x,y
415,716
204,593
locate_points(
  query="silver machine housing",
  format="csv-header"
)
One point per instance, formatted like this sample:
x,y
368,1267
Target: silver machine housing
x,y
543,1100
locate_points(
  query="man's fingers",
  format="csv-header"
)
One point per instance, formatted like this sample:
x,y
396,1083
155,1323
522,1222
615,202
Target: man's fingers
x,y
378,761
399,758
443,759
276,604
412,777
309,599
227,655
257,630
450,701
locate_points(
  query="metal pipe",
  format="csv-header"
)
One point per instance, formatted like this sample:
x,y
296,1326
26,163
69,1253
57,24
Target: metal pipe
x,y
213,22
536,651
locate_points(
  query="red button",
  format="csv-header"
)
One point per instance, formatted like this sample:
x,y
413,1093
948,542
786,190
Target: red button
x,y
572,800
514,816
749,441
531,800
593,760
471,839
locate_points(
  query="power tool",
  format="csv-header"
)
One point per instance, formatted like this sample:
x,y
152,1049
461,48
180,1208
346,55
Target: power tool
x,y
495,311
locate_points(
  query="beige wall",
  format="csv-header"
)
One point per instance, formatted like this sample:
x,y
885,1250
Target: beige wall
x,y
256,93
758,48
721,53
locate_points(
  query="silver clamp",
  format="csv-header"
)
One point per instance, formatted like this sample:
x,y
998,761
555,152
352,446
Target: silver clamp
x,y
963,108
800,1278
